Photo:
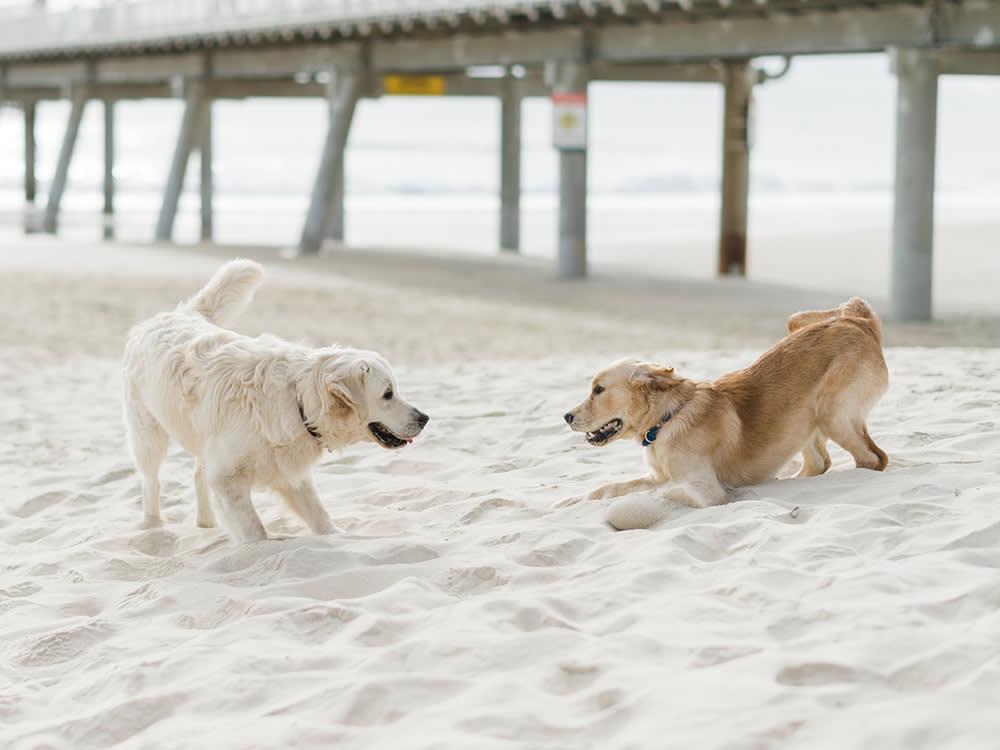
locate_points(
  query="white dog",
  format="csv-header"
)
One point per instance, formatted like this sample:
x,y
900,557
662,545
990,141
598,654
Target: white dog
x,y
253,411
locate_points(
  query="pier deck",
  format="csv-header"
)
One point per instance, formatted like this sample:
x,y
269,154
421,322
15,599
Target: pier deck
x,y
346,50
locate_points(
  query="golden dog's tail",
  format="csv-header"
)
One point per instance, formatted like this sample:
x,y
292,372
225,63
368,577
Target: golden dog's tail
x,y
854,308
227,293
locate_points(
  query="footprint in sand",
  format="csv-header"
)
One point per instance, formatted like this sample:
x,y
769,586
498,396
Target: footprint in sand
x,y
469,581
62,646
157,543
824,673
41,503
988,536
122,472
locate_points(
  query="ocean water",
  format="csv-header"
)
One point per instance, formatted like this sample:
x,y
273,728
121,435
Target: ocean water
x,y
424,172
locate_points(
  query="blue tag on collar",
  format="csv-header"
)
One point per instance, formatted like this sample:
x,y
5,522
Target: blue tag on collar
x,y
650,436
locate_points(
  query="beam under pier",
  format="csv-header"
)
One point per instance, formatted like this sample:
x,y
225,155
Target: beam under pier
x,y
910,286
77,103
510,165
207,176
196,104
343,92
335,222
108,215
569,103
30,183
335,204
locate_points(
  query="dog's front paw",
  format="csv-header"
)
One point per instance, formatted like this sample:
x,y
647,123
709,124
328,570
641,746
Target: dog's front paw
x,y
696,495
684,494
636,512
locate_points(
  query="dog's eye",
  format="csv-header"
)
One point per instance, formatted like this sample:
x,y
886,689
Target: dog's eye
x,y
598,390
388,394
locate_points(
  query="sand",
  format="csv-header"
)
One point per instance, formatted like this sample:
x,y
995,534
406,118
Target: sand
x,y
458,609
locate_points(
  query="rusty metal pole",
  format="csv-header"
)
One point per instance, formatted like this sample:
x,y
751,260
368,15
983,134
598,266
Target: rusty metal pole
x,y
735,169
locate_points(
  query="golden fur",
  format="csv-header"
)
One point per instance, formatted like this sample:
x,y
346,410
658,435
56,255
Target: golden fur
x,y
253,411
818,383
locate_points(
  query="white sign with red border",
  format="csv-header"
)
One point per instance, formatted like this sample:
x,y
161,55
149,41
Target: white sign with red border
x,y
569,120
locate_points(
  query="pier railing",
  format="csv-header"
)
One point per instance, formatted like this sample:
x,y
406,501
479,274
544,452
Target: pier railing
x,y
118,23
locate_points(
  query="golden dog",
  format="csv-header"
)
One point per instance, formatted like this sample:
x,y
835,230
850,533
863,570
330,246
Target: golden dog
x,y
818,383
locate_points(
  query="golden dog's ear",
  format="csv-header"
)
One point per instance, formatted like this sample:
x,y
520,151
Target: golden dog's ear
x,y
652,375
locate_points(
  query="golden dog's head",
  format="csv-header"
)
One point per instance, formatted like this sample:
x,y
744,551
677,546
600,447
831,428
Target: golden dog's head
x,y
625,401
359,401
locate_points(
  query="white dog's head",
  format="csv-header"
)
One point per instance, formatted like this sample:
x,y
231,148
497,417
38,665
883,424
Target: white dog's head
x,y
356,399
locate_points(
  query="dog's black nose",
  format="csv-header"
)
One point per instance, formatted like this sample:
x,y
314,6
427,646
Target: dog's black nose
x,y
569,417
422,418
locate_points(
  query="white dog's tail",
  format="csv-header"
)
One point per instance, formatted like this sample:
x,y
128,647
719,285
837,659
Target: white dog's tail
x,y
227,293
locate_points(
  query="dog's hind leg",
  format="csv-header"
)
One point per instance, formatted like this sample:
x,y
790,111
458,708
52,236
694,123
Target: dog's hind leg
x,y
853,437
815,458
149,442
841,412
236,511
205,516
302,499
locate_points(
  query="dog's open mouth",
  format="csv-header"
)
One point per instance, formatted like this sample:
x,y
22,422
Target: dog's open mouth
x,y
386,438
603,435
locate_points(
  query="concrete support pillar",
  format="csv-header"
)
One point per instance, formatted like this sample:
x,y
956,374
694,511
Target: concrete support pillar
x,y
335,204
510,166
78,101
342,91
335,221
913,212
195,106
737,78
569,80
30,183
108,215
207,176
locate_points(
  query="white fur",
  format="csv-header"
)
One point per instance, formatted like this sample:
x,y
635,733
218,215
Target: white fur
x,y
237,404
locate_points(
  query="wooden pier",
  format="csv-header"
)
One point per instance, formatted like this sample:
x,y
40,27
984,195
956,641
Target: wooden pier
x,y
346,50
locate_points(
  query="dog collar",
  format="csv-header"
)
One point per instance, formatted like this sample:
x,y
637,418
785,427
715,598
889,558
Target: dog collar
x,y
305,422
650,437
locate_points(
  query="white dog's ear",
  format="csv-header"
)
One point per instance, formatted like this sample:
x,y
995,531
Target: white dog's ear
x,y
651,374
341,401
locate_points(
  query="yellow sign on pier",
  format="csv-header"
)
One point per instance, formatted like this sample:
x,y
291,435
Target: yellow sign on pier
x,y
413,85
